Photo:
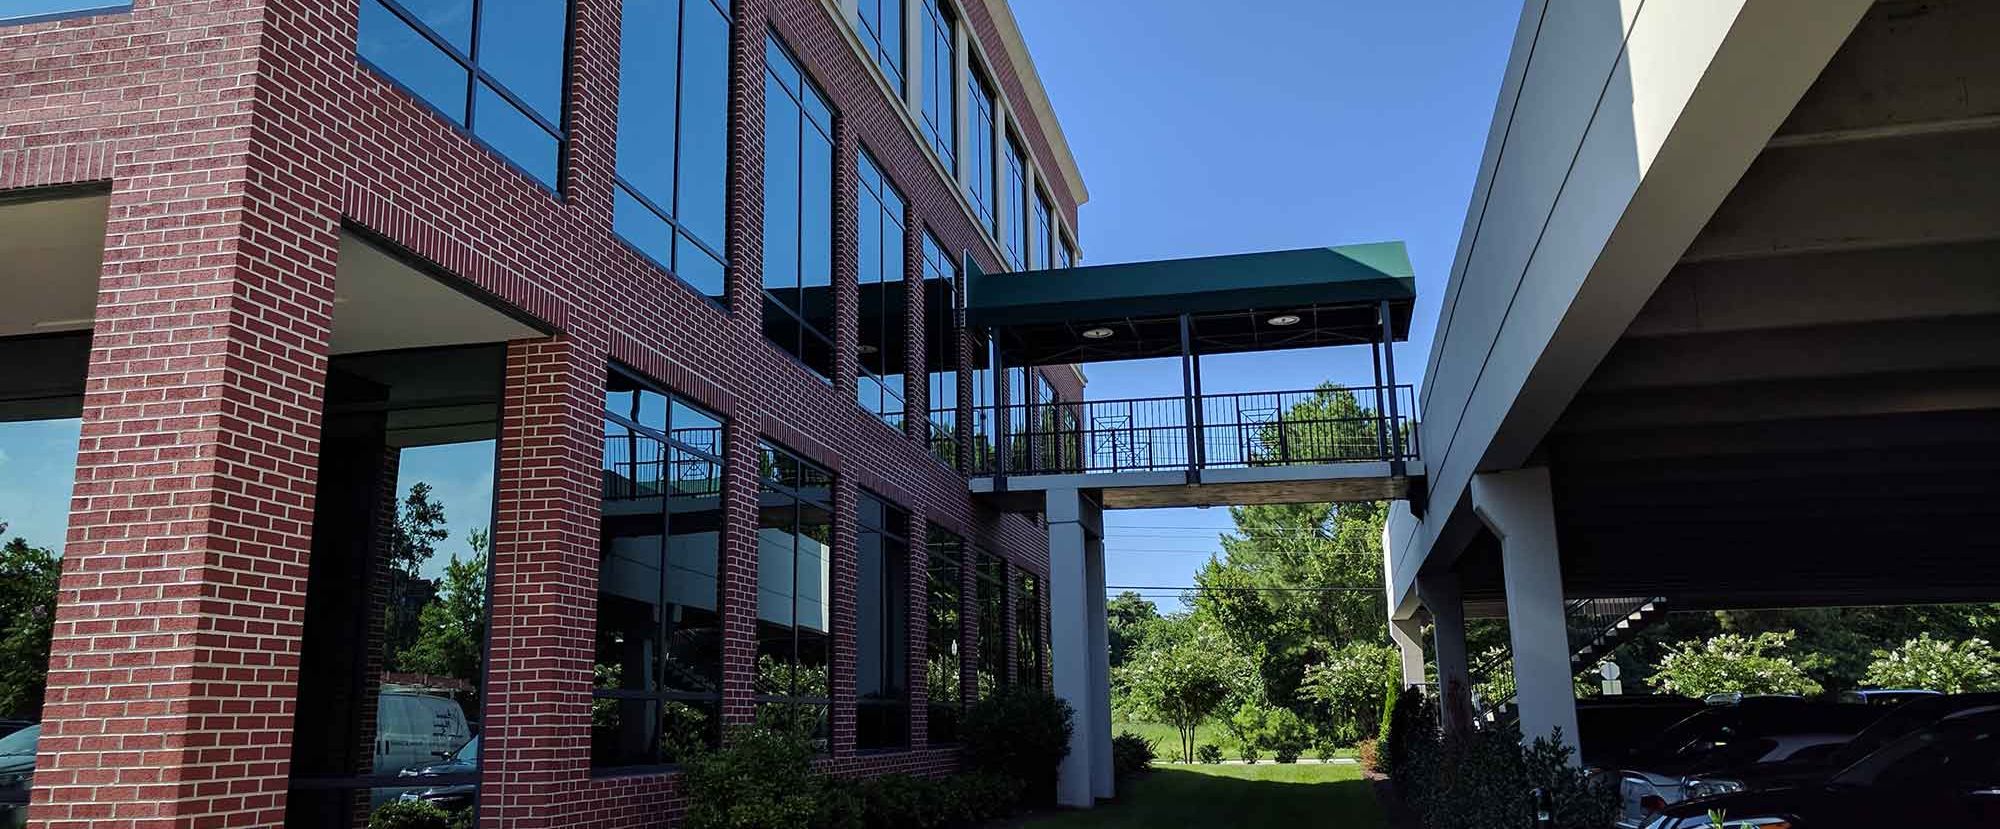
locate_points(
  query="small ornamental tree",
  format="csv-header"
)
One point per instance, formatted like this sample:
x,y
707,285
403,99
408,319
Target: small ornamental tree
x,y
1182,682
1732,662
1951,668
1349,683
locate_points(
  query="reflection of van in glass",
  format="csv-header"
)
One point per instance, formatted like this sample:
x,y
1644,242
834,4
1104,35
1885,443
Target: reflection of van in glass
x,y
413,730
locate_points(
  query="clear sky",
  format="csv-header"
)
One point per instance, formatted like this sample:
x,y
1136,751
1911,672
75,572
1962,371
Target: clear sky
x,y
1206,128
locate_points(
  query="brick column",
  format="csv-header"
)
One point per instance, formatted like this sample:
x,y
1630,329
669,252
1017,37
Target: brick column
x,y
174,659
916,368
968,623
544,607
846,577
737,568
919,627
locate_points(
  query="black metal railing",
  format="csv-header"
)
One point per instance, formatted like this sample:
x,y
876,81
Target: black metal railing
x,y
1591,619
1327,425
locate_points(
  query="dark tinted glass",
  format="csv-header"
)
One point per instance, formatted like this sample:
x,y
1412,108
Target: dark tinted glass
x,y
521,46
798,213
1014,190
673,90
449,19
882,28
881,671
979,146
794,577
389,43
503,127
992,598
940,91
943,665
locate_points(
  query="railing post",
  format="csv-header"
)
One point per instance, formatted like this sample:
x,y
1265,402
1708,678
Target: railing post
x,y
1389,365
1188,395
1001,445
1381,404
1200,457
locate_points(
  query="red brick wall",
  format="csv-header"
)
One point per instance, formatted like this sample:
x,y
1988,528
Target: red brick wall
x,y
235,137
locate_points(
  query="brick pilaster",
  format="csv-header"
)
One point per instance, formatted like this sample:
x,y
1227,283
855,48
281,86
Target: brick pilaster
x,y
917,529
846,577
738,568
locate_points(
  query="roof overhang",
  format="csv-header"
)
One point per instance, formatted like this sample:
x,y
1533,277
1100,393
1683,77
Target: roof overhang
x,y
1131,311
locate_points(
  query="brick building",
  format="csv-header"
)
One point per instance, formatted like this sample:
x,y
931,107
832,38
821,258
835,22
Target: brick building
x,y
658,299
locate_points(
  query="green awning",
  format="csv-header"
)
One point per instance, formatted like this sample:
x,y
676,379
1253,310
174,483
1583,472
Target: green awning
x,y
1236,303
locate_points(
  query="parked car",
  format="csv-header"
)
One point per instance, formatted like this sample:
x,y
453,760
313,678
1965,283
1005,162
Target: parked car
x,y
17,773
1754,731
1608,729
1813,767
454,780
1885,696
10,726
414,729
1945,775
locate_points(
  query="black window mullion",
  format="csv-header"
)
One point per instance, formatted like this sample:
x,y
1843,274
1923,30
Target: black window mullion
x,y
680,86
473,76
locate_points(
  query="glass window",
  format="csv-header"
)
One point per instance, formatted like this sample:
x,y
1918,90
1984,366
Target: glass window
x,y
794,593
657,686
392,651
992,596
673,136
38,466
1027,630
884,295
984,438
1042,240
979,137
1012,194
505,85
1067,253
882,627
882,29
941,348
798,212
940,92
30,11
944,667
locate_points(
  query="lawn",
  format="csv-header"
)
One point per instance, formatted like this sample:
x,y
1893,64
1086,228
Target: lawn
x,y
1266,794
1167,740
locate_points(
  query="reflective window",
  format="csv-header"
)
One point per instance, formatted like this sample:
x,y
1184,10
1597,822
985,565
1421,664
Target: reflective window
x,y
941,348
979,144
882,627
940,92
1067,253
658,670
1014,191
794,592
944,666
992,596
1027,630
798,212
505,85
884,295
1041,239
673,136
984,438
37,471
15,12
882,30
392,653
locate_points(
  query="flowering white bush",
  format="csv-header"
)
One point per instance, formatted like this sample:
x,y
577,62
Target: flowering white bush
x,y
1732,662
1952,668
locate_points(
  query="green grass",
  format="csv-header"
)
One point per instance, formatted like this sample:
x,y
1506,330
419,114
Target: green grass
x,y
1167,740
1263,795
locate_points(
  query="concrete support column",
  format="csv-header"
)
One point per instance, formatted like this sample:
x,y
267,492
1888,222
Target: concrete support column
x,y
1409,638
1076,572
1097,628
1441,596
1516,507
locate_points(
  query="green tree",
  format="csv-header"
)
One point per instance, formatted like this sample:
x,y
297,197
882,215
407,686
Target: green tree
x,y
1349,684
29,577
1731,662
1130,618
451,630
1949,667
1182,680
416,530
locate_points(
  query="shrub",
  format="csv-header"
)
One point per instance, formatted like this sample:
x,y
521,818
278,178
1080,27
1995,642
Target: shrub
x,y
900,801
1285,735
1209,753
1413,720
409,814
1365,752
1247,725
1325,751
1131,754
1732,662
1021,733
1940,665
1486,780
762,777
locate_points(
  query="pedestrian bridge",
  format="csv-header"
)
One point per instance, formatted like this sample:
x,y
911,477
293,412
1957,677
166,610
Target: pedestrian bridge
x,y
1072,459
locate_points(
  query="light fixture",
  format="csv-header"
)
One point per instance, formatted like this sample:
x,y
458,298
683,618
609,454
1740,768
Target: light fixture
x,y
1096,333
867,349
1283,320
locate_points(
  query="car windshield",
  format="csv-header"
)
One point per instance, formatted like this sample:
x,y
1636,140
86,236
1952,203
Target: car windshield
x,y
1900,720
1698,732
469,752
20,743
1958,752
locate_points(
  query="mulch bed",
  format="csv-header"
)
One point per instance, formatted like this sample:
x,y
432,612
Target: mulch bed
x,y
1398,813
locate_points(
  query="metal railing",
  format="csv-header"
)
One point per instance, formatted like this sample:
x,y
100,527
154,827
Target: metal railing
x,y
1287,428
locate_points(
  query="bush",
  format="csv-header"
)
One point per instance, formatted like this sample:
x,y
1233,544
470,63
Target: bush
x,y
1131,754
761,777
1325,751
1022,733
1209,753
1365,752
1413,720
900,801
1285,735
410,814
1486,780
1250,753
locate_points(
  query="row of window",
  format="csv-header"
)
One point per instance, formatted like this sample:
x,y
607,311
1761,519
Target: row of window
x,y
659,637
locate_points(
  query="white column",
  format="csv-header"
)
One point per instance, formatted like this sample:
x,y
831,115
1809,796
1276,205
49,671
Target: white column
x,y
1072,521
1516,507
1103,778
916,35
1441,597
1408,636
961,78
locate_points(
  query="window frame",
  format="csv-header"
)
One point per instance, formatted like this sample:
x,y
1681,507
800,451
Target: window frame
x,y
890,530
475,76
889,59
943,138
893,325
807,123
940,382
983,181
943,543
997,581
637,429
766,481
1014,186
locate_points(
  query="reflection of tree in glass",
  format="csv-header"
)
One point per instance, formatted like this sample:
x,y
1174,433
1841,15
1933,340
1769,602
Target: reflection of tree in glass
x,y
777,678
684,731
941,677
28,579
452,627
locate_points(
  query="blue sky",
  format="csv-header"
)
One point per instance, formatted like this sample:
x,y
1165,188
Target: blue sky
x,y
1206,128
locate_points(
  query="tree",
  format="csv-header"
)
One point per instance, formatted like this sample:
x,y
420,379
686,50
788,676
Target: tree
x,y
1130,618
29,577
1349,684
451,630
1182,680
417,528
1953,668
1734,663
